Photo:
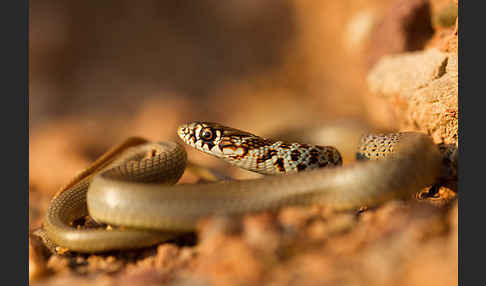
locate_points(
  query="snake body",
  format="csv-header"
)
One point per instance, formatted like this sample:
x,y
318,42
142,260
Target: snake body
x,y
131,186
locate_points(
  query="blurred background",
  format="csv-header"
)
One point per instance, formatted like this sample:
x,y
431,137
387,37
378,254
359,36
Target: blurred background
x,y
103,71
212,60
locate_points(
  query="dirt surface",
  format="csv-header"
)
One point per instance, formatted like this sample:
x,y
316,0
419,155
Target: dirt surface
x,y
276,65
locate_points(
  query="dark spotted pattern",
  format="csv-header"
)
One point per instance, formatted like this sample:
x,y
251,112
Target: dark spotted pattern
x,y
301,167
192,136
334,156
377,146
267,156
295,155
209,144
280,165
285,146
324,164
314,156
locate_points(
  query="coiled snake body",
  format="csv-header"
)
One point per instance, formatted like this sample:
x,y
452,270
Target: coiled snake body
x,y
131,185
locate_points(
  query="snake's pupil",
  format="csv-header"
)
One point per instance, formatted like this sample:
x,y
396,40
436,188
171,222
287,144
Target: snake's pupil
x,y
207,134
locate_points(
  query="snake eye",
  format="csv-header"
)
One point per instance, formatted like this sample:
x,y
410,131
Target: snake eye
x,y
206,134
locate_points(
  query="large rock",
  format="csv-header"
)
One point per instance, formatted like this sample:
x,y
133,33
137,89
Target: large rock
x,y
421,91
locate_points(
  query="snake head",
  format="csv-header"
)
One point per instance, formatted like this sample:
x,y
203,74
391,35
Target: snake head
x,y
217,140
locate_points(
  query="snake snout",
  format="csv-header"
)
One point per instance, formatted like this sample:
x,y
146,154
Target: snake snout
x,y
182,130
186,132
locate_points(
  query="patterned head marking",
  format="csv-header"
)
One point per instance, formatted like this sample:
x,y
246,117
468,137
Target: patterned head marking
x,y
217,140
250,152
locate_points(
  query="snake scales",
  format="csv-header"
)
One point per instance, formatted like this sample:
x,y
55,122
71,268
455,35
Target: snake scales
x,y
131,186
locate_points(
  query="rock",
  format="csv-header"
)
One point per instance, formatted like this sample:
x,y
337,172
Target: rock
x,y
421,89
395,74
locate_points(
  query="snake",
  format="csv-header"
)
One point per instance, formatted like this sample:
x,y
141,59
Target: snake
x,y
132,187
